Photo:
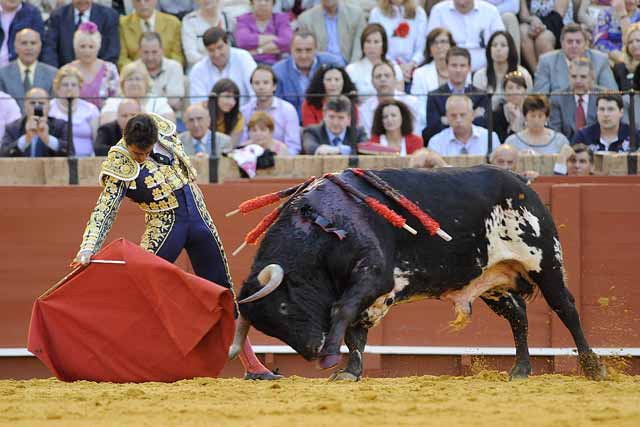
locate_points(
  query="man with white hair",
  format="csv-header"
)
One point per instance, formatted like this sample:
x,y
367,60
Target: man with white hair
x,y
462,137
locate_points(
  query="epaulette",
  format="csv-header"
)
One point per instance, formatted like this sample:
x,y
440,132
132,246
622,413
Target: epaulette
x,y
119,164
165,127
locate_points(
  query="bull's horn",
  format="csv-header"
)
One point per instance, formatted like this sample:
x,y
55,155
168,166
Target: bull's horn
x,y
242,329
270,278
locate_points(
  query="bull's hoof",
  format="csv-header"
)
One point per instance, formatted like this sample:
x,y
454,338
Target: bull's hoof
x,y
344,376
592,367
329,361
264,376
520,371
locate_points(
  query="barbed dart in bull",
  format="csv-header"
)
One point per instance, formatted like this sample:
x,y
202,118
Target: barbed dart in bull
x,y
267,199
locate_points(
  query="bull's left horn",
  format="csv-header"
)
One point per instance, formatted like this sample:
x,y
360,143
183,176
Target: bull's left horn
x,y
270,278
242,329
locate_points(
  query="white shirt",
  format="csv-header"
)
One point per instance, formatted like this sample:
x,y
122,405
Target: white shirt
x,y
169,81
86,15
403,144
204,75
193,28
368,108
403,49
360,74
446,144
152,23
149,105
471,30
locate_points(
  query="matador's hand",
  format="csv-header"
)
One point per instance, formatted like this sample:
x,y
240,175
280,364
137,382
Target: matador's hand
x,y
82,258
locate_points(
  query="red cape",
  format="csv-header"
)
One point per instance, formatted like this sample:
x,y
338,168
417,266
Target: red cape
x,y
147,320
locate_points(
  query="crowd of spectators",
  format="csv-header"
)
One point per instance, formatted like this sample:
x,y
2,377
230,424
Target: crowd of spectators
x,y
322,76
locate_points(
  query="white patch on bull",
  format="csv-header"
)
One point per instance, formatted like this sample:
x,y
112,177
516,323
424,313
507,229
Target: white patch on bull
x,y
324,337
374,314
557,250
504,233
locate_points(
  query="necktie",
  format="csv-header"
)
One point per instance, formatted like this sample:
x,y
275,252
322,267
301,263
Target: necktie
x,y
147,26
198,146
581,120
80,15
464,150
336,141
26,83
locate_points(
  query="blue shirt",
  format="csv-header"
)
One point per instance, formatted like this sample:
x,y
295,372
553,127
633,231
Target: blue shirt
x,y
331,26
338,141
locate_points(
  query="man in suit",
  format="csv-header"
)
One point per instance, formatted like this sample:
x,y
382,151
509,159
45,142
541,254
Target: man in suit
x,y
570,113
37,134
146,19
295,72
196,140
17,77
458,68
110,133
19,15
58,40
334,136
552,73
337,27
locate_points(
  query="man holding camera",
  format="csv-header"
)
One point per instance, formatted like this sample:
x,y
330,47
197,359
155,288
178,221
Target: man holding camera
x,y
36,134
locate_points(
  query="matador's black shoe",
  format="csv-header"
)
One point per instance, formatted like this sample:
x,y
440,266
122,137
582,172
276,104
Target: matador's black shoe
x,y
266,376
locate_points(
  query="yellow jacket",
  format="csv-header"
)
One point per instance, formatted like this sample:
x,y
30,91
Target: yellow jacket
x,y
166,25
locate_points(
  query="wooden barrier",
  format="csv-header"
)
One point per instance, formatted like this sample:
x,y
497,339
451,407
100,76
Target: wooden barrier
x,y
597,217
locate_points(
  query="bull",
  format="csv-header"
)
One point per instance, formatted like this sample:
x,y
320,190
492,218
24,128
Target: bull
x,y
330,268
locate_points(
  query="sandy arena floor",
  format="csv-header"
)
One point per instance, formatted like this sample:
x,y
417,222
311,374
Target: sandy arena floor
x,y
486,399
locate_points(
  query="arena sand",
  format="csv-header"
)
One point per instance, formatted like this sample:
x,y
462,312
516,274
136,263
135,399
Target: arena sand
x,y
485,399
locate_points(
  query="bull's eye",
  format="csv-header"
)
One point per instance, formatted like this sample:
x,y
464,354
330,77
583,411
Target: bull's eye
x,y
283,308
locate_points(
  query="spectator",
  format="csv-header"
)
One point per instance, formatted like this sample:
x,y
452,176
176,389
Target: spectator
x,y
328,82
61,26
266,35
580,163
373,43
536,138
110,133
502,58
458,68
405,25
197,138
504,157
224,105
509,10
136,83
166,74
100,77
541,26
295,72
608,133
385,84
479,20
611,23
177,8
26,71
9,111
196,23
223,61
84,115
335,135
425,158
261,128
286,128
462,137
552,73
36,134
393,127
16,15
146,19
570,113
624,70
508,118
337,27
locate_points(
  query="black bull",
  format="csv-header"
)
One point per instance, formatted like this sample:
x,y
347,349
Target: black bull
x,y
311,288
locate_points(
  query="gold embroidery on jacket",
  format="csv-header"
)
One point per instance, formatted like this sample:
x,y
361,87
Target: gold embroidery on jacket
x,y
158,227
119,164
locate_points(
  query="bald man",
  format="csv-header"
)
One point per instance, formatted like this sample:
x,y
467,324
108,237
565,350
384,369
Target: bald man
x,y
111,132
25,72
197,138
506,157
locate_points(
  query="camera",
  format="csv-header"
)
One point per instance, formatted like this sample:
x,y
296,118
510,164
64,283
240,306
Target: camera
x,y
38,111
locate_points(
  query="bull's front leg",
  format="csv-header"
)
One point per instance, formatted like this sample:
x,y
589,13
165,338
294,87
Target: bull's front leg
x,y
355,339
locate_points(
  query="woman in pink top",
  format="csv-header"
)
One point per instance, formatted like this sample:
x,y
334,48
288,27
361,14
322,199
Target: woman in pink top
x,y
100,77
266,35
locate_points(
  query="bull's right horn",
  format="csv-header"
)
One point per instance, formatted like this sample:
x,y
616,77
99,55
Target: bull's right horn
x,y
270,278
242,329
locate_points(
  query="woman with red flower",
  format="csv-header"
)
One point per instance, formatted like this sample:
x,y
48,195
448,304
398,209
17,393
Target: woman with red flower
x,y
405,24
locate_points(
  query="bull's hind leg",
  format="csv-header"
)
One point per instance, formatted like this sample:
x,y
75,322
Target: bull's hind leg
x,y
551,283
513,308
355,338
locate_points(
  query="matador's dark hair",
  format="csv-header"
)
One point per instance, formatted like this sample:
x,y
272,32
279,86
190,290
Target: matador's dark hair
x,y
141,131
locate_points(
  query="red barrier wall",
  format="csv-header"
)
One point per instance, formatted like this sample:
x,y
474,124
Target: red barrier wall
x,y
41,228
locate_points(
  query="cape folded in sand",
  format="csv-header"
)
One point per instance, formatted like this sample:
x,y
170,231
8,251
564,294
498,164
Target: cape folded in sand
x,y
146,320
